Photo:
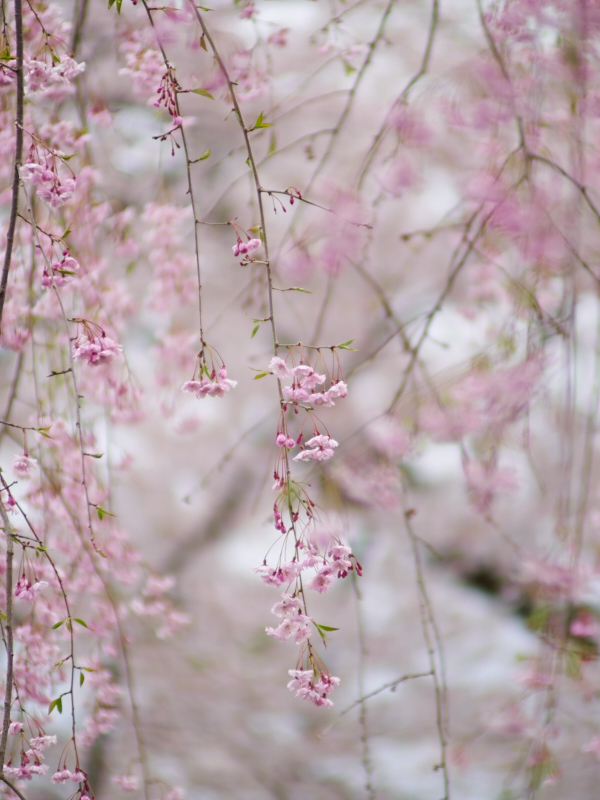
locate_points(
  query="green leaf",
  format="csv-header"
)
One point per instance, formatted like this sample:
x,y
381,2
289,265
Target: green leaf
x,y
102,512
101,553
326,627
95,455
58,624
260,124
118,2
204,156
202,43
272,143
260,375
80,621
539,617
346,346
253,334
348,69
203,92
81,678
56,703
44,434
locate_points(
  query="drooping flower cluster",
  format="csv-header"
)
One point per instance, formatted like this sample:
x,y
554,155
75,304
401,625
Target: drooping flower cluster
x,y
242,248
167,95
49,186
62,271
210,381
335,562
302,394
54,78
312,687
304,382
94,346
319,558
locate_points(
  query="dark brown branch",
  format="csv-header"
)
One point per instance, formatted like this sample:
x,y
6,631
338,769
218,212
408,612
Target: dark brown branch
x,y
10,236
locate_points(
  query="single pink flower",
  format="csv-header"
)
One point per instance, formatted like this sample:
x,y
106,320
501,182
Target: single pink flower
x,y
24,465
279,368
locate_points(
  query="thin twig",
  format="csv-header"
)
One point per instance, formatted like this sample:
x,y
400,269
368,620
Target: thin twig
x,y
9,633
12,787
391,686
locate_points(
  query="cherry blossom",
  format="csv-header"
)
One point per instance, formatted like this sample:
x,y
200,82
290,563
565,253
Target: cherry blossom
x,y
24,465
95,350
320,448
218,386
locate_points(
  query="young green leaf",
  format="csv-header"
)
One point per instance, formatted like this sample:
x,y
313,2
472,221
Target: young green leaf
x,y
260,375
203,92
80,621
254,330
81,678
58,624
56,703
260,123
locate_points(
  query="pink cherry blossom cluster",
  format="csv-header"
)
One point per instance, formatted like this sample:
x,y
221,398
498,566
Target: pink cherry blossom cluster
x,y
52,79
342,561
94,347
241,248
329,562
211,380
313,687
49,186
31,754
304,382
144,64
154,602
216,385
62,271
25,590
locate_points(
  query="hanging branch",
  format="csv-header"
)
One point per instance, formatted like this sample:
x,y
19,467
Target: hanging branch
x,y
10,236
9,634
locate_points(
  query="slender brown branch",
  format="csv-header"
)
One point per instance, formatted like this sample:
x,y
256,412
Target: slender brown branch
x,y
391,686
380,135
14,206
9,633
12,787
427,621
352,93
